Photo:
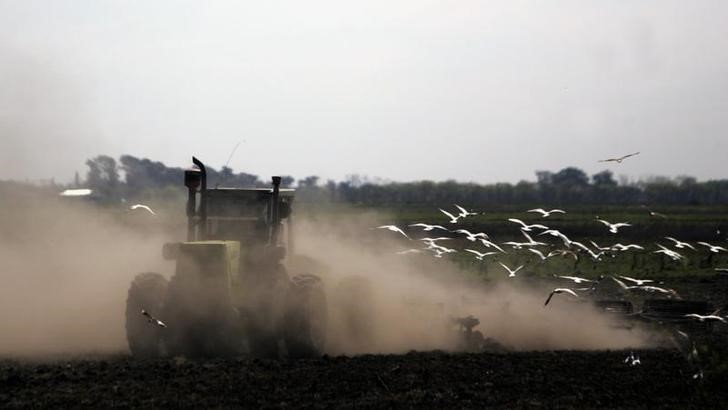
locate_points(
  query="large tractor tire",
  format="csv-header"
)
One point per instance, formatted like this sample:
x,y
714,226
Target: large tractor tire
x,y
194,330
306,317
146,292
265,311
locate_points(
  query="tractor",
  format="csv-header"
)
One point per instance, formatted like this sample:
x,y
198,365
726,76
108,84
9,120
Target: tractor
x,y
230,292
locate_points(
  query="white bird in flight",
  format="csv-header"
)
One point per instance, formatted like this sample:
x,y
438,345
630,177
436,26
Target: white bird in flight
x,y
527,227
453,218
713,248
433,240
706,318
556,233
393,228
511,272
436,247
489,244
544,213
540,255
559,291
680,244
601,248
620,159
645,288
472,237
581,246
409,252
576,279
669,252
531,242
464,212
152,319
638,282
613,227
620,247
480,255
142,206
428,228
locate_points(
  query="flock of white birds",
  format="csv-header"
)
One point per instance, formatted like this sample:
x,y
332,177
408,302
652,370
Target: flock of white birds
x,y
565,247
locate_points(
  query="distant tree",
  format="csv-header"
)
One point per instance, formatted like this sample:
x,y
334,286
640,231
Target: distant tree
x,y
287,181
571,176
308,182
103,176
604,179
544,177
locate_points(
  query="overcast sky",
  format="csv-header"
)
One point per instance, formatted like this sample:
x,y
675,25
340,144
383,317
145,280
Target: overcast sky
x,y
478,91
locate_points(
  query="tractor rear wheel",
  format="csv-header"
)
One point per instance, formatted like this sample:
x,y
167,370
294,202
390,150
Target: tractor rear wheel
x,y
306,317
146,292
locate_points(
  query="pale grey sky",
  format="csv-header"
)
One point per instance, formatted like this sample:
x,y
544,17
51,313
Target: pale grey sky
x,y
479,91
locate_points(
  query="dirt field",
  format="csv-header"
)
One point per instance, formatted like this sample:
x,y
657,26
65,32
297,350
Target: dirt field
x,y
535,379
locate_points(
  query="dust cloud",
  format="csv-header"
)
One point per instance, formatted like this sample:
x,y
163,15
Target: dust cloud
x,y
65,269
408,301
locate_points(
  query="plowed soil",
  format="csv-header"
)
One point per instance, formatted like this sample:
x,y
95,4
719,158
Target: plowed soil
x,y
533,379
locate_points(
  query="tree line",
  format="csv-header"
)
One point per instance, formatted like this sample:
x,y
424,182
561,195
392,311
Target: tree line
x,y
570,186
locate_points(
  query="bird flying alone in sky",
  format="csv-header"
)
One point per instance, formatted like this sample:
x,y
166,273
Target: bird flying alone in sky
x,y
620,159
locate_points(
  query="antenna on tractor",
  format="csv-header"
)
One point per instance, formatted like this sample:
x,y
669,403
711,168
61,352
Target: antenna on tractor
x,y
228,162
